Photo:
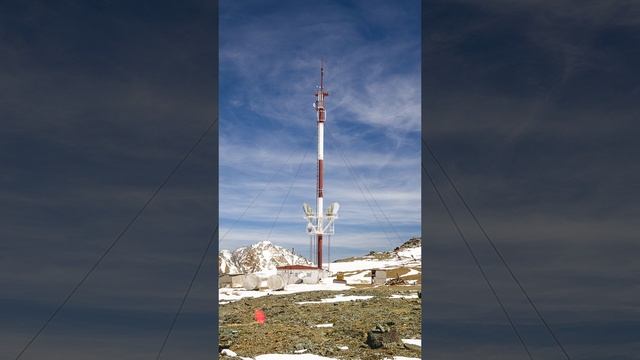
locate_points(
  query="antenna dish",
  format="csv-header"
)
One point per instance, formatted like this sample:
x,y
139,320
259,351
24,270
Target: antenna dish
x,y
333,209
307,209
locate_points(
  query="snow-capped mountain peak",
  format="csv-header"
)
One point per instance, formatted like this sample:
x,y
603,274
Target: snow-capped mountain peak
x,y
258,257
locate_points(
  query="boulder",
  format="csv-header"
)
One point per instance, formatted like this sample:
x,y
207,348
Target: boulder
x,y
251,282
275,282
382,336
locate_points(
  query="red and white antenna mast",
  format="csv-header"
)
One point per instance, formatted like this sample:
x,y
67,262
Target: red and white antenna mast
x,y
317,225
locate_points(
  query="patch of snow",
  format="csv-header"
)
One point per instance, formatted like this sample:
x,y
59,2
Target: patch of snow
x,y
359,265
343,347
337,298
231,294
226,294
402,296
323,286
411,272
228,353
324,325
300,351
357,271
417,342
412,253
362,277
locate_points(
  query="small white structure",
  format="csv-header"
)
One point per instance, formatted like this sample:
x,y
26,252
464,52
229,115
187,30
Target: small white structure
x,y
251,282
257,281
301,274
276,282
230,280
378,276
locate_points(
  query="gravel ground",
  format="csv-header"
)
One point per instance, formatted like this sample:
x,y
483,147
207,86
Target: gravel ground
x,y
291,327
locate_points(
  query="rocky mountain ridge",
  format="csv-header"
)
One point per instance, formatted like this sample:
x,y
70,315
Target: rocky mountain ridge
x,y
262,256
409,249
265,256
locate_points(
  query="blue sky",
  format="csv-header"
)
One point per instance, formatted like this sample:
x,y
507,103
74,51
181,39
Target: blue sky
x,y
269,66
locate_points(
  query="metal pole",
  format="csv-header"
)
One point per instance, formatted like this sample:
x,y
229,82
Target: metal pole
x,y
320,94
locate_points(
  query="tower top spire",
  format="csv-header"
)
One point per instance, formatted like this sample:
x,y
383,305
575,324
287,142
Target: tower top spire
x,y
321,92
321,74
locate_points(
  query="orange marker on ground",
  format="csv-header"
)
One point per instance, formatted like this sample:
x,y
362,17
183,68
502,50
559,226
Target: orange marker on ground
x,y
260,316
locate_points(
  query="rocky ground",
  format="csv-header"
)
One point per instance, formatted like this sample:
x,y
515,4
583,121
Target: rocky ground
x,y
362,329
